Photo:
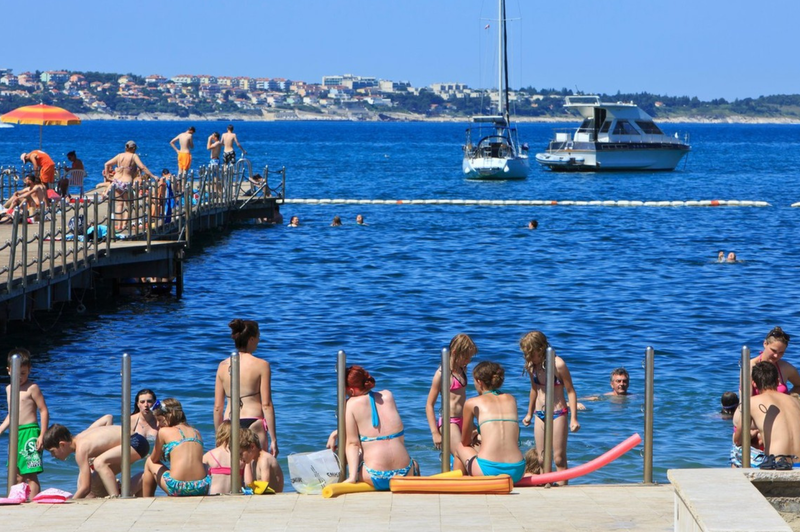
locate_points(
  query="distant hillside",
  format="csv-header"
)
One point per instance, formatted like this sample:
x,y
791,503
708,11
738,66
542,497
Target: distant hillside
x,y
107,95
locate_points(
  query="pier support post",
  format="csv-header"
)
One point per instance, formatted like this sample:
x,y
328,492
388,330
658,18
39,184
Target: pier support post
x,y
236,476
445,410
125,475
341,400
13,415
649,380
746,389
550,377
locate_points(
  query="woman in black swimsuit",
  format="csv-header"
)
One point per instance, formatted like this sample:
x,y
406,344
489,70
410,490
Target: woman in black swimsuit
x,y
257,411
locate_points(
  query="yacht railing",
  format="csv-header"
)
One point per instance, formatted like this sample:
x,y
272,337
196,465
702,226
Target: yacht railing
x,y
566,138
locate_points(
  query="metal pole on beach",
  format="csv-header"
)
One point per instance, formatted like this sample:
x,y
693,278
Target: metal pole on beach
x,y
548,408
445,410
13,415
341,399
125,435
236,475
649,379
746,392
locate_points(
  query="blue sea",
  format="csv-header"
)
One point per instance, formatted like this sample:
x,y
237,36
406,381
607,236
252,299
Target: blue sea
x,y
602,282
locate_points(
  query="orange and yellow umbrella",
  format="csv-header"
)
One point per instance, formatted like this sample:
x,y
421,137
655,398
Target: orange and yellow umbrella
x,y
41,115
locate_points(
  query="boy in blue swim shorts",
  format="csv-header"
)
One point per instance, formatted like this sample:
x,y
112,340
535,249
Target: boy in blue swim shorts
x,y
31,401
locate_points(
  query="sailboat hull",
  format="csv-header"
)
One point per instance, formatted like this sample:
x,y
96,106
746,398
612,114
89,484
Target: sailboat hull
x,y
495,169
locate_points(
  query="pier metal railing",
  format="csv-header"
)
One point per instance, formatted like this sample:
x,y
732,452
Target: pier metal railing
x,y
61,237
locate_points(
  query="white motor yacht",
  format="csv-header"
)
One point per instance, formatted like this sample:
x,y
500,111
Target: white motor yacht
x,y
613,136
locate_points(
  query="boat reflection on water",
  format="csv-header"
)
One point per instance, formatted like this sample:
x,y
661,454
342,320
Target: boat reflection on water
x,y
613,136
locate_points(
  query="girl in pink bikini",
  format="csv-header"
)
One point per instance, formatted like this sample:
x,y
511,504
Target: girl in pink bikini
x,y
775,345
462,349
218,462
534,346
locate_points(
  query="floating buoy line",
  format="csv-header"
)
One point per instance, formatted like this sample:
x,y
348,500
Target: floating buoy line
x,y
536,203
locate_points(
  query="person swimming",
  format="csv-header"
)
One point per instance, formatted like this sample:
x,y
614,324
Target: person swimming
x,y
729,401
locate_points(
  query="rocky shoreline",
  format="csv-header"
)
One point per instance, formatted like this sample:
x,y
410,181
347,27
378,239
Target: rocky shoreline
x,y
290,116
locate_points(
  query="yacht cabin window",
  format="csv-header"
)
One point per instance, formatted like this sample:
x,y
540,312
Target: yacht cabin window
x,y
649,127
606,126
624,127
587,126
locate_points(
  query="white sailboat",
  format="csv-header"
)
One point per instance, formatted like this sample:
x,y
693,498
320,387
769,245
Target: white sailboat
x,y
492,150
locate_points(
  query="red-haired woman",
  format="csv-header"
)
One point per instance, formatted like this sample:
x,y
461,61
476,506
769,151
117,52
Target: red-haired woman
x,y
375,444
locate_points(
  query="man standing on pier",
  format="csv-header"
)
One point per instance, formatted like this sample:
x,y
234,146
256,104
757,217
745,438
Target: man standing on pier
x,y
228,139
186,143
214,145
43,166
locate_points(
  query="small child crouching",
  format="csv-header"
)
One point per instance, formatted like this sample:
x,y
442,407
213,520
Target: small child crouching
x,y
263,465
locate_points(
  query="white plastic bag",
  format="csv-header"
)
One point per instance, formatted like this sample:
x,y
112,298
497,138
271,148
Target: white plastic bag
x,y
310,472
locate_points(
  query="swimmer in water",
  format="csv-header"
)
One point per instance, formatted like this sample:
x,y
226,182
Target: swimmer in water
x,y
729,401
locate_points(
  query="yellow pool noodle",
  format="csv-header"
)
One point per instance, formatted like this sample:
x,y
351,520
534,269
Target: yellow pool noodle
x,y
490,484
342,488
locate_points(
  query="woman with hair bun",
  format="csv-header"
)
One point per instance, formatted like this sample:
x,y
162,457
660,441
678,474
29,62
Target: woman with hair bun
x,y
257,412
374,433
494,415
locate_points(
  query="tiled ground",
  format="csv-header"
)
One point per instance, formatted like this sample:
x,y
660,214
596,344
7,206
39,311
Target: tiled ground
x,y
585,508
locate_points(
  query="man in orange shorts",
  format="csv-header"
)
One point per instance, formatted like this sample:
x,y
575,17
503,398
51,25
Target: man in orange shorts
x,y
42,165
186,143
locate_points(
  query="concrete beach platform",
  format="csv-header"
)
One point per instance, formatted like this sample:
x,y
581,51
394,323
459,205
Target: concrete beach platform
x,y
567,508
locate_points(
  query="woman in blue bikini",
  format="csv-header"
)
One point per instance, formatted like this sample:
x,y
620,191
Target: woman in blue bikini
x,y
177,460
534,346
494,415
374,433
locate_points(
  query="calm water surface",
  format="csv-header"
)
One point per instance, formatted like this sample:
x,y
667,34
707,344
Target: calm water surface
x,y
603,283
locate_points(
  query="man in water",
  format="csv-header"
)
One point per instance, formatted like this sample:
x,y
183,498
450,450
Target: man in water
x,y
777,417
186,142
214,145
620,380
229,138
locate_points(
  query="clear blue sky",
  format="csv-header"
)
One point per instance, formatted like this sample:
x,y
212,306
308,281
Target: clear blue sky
x,y
705,48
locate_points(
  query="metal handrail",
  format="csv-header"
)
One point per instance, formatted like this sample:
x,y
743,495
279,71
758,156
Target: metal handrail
x,y
61,257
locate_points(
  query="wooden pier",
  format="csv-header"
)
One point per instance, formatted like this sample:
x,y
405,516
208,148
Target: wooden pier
x,y
72,246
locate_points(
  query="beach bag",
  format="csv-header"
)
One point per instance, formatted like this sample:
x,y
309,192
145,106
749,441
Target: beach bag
x,y
310,472
76,227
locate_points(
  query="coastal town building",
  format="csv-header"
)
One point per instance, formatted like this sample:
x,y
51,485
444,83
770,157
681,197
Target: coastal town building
x,y
345,96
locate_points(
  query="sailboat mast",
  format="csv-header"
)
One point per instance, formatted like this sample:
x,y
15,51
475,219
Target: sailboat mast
x,y
503,82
